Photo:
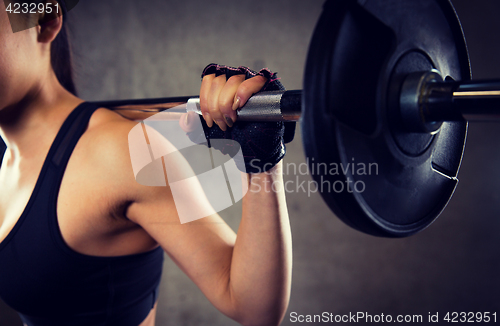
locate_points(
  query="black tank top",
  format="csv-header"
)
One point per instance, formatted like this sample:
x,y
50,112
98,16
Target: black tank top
x,y
50,284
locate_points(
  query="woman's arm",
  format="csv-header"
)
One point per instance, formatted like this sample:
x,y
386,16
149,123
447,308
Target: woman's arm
x,y
247,277
262,256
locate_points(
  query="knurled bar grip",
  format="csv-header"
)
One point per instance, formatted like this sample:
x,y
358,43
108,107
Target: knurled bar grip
x,y
265,106
272,106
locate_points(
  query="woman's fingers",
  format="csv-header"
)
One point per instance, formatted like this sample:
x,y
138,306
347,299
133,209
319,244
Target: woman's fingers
x,y
220,98
204,95
213,101
248,88
227,98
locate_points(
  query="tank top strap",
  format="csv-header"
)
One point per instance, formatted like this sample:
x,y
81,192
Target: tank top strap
x,y
69,134
67,137
3,148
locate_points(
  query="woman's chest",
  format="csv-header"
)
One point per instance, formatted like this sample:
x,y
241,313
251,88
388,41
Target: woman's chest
x,y
17,183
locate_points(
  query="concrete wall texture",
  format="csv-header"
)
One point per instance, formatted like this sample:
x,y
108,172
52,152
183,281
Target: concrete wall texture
x,y
134,49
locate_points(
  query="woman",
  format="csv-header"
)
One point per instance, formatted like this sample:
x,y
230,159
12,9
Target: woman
x,y
81,242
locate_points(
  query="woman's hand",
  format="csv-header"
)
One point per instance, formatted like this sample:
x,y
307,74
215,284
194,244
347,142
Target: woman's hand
x,y
223,90
219,99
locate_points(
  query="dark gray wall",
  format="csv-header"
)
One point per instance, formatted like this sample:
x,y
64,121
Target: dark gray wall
x,y
128,49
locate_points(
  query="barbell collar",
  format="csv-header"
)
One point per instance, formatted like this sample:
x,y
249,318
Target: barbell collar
x,y
414,101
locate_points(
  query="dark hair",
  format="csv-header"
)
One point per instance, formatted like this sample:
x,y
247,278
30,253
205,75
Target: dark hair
x,y
61,57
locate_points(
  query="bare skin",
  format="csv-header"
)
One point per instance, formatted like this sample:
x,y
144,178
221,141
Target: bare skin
x,y
246,276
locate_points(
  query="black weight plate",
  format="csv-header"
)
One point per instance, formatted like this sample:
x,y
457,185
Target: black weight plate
x,y
395,183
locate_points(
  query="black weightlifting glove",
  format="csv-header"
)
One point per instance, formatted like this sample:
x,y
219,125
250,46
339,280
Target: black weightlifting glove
x,y
262,143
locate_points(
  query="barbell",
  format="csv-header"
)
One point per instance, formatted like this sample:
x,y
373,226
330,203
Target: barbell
x,y
387,83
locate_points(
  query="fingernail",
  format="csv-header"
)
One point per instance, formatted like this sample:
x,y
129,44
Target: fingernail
x,y
208,120
236,104
229,121
187,119
221,124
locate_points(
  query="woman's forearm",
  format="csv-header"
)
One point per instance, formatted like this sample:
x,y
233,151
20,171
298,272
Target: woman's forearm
x,y
260,276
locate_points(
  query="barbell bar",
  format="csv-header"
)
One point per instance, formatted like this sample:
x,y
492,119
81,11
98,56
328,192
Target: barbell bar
x,y
425,101
386,84
265,106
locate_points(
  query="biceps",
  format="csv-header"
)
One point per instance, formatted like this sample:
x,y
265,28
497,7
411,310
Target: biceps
x,y
202,248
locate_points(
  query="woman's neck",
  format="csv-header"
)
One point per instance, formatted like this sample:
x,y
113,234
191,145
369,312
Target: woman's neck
x,y
33,121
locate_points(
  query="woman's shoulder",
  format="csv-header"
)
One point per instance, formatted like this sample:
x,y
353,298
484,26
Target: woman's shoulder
x,y
104,146
105,119
111,143
108,131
